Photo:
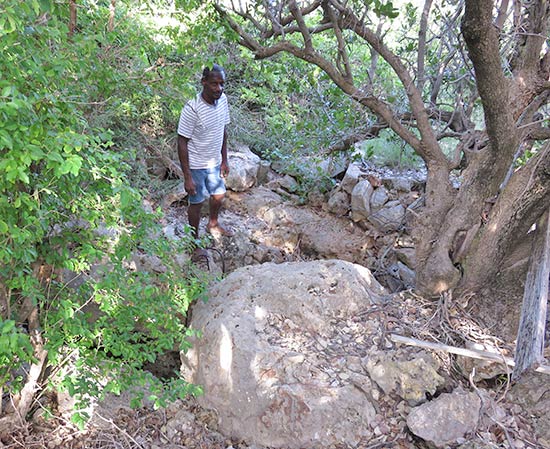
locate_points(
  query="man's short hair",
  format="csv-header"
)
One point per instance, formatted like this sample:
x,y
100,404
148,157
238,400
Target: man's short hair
x,y
215,69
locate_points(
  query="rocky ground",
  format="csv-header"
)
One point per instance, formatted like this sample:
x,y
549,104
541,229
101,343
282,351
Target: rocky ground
x,y
185,424
263,235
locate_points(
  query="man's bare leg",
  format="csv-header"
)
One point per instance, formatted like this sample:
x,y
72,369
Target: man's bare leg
x,y
214,226
194,216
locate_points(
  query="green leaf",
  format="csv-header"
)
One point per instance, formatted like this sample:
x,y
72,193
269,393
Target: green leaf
x,y
7,326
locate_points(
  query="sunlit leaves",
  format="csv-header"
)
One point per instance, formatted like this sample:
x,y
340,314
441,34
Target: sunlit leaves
x,y
66,201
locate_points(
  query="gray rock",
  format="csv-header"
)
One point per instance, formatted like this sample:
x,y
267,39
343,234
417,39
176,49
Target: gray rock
x,y
379,197
254,359
532,392
334,165
481,369
388,219
265,173
177,194
244,167
351,178
407,256
399,183
338,202
447,419
409,378
360,200
407,275
287,183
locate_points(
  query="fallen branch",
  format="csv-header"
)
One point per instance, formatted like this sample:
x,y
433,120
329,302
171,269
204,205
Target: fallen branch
x,y
472,353
530,341
23,400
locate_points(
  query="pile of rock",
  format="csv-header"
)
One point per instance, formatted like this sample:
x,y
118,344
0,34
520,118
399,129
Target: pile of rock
x,y
297,355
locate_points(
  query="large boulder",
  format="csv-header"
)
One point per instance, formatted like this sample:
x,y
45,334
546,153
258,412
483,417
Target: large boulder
x,y
244,168
274,356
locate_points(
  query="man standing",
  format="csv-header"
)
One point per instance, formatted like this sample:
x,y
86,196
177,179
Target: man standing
x,y
202,150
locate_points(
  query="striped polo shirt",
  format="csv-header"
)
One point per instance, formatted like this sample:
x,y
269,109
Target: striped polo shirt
x,y
203,124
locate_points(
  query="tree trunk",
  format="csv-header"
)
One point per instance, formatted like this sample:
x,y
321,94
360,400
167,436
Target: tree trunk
x,y
72,17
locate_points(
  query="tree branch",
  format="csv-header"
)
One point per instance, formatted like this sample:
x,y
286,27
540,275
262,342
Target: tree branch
x,y
428,149
483,44
297,13
422,45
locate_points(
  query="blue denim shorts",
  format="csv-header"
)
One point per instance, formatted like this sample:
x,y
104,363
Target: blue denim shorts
x,y
208,181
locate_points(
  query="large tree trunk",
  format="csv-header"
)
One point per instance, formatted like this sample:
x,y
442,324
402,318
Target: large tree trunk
x,y
489,216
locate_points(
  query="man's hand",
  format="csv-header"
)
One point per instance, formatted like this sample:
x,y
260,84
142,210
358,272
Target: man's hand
x,y
224,169
190,186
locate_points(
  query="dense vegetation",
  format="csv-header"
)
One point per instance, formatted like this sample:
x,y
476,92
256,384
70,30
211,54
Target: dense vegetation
x,y
90,95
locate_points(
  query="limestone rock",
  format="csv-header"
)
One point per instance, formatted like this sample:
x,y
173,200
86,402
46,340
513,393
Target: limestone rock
x,y
262,358
447,419
532,392
407,256
177,194
314,233
407,275
389,218
338,203
360,200
244,167
351,177
399,183
265,174
379,197
410,379
481,369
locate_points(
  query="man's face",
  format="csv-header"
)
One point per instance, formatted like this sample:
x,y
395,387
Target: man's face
x,y
212,87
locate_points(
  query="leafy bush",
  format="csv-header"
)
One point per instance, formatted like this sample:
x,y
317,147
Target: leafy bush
x,y
65,178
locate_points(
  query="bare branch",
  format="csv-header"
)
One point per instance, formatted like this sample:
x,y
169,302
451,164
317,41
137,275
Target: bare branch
x,y
502,14
342,51
422,45
297,13
429,149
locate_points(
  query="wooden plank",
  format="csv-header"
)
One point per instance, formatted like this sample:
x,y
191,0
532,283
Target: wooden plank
x,y
472,353
530,339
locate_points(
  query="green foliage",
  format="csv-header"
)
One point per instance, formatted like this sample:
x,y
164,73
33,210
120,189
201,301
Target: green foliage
x,y
15,348
67,203
387,150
